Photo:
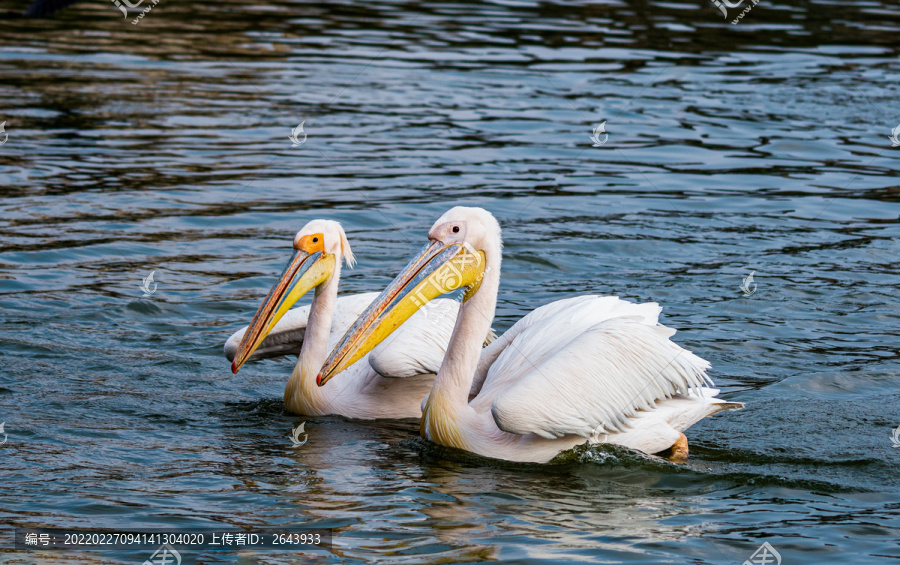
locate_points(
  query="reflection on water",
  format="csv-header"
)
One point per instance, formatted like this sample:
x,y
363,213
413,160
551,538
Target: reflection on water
x,y
164,147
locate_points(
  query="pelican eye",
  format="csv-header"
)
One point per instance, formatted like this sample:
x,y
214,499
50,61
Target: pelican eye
x,y
455,229
315,240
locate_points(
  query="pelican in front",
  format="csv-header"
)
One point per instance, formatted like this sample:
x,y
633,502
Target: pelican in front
x,y
390,383
585,369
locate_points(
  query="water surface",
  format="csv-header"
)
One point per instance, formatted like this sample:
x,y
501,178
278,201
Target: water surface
x,y
163,147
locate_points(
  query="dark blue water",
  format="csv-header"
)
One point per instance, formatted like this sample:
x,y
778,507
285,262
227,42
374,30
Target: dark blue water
x,y
163,147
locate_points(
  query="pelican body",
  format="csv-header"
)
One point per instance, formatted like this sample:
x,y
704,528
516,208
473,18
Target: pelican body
x,y
586,369
390,383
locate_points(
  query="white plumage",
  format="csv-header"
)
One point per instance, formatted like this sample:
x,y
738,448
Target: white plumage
x,y
599,345
390,382
585,369
589,368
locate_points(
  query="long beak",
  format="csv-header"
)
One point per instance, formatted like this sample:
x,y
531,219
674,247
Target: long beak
x,y
437,270
304,271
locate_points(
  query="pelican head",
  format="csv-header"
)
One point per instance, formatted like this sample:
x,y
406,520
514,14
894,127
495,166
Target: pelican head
x,y
453,258
317,252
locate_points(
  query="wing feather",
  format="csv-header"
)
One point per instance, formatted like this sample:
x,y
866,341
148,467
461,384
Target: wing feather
x,y
568,318
568,379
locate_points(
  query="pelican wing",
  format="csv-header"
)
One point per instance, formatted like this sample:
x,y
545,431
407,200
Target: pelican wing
x,y
286,337
576,314
568,373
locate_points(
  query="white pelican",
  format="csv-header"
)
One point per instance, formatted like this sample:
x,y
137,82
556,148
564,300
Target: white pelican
x,y
586,369
395,378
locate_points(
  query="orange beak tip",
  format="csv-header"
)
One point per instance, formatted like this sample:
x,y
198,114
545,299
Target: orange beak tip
x,y
319,379
234,367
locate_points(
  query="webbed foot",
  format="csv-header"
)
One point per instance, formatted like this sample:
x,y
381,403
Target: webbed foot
x,y
678,453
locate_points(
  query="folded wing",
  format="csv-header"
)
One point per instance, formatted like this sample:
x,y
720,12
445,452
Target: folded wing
x,y
587,367
548,328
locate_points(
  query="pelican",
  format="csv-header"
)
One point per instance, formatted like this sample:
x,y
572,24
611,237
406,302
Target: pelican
x,y
395,377
585,369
